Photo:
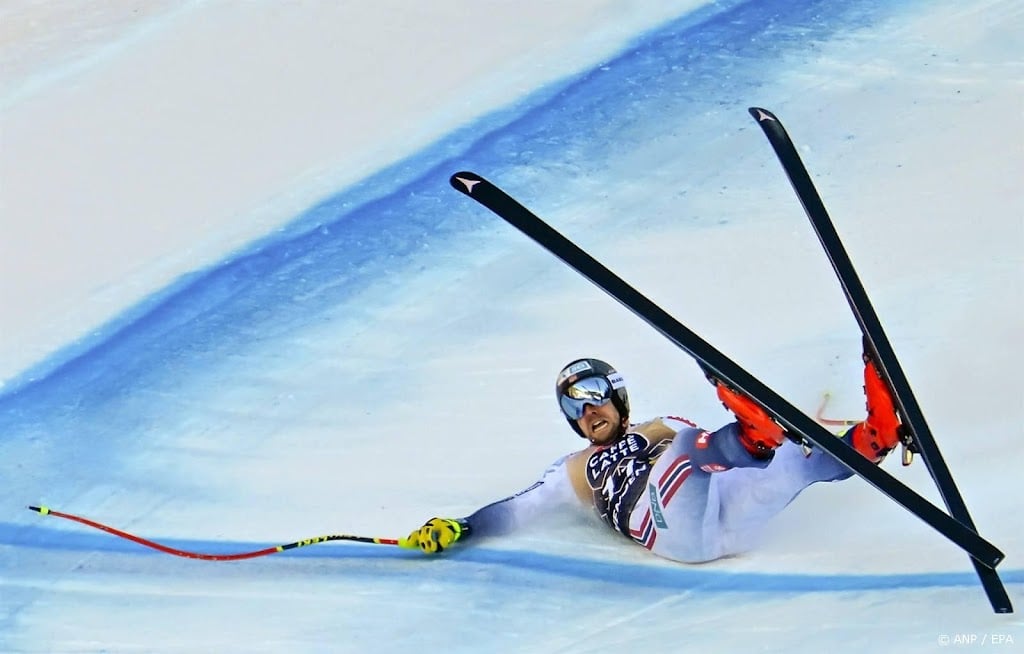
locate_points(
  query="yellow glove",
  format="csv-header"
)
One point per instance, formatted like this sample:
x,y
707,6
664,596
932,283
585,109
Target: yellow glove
x,y
436,535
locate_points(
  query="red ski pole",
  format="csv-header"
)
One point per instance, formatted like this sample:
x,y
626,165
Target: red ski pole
x,y
218,557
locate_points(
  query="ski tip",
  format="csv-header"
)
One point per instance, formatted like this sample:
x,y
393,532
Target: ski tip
x,y
761,115
465,181
40,509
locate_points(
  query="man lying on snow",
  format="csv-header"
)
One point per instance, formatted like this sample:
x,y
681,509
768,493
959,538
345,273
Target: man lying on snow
x,y
684,493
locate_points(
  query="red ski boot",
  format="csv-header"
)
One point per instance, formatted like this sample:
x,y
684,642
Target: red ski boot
x,y
879,433
759,434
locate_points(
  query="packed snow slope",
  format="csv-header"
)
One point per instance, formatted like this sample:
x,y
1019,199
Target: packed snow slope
x,y
244,307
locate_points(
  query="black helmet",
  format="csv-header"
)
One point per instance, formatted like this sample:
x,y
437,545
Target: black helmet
x,y
586,368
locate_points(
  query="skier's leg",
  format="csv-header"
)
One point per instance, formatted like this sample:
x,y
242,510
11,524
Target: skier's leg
x,y
707,495
748,498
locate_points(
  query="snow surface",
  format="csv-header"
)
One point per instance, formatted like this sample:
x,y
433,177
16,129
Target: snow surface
x,y
243,307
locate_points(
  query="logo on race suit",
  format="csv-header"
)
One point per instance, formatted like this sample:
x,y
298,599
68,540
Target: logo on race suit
x,y
607,457
703,440
659,519
713,467
618,494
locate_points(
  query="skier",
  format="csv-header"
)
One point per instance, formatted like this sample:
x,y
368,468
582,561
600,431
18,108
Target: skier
x,y
682,492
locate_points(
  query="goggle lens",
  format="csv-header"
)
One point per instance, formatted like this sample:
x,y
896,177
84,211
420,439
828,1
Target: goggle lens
x,y
592,390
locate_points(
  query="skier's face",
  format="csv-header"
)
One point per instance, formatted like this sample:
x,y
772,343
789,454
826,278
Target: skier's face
x,y
602,425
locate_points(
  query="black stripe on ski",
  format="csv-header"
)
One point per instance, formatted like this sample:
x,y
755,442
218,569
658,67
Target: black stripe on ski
x,y
717,363
921,439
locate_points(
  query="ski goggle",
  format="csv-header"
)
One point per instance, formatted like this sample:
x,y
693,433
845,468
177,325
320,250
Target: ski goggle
x,y
592,390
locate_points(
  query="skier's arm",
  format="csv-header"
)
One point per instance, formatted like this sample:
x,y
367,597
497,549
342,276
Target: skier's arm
x,y
501,517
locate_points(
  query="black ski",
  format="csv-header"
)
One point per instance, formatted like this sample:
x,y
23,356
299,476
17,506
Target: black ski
x,y
918,437
799,425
